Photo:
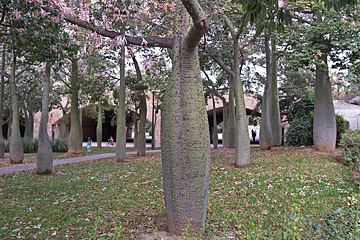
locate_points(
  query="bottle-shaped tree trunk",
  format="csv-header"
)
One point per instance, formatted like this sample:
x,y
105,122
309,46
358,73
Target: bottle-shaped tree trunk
x,y
215,133
99,124
225,121
184,129
141,138
2,86
270,126
44,156
324,115
75,136
121,113
16,148
242,147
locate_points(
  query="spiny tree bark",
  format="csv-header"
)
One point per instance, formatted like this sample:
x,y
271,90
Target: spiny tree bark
x,y
121,114
99,125
2,86
75,136
16,148
270,126
184,131
44,156
324,133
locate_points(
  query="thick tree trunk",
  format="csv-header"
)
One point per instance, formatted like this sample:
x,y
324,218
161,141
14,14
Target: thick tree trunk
x,y
75,136
231,128
99,125
184,129
44,156
324,115
215,133
16,148
121,114
270,126
2,86
141,140
242,148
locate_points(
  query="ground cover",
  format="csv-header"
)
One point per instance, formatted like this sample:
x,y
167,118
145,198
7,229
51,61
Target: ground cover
x,y
104,199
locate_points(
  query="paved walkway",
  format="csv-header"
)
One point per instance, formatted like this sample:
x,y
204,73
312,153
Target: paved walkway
x,y
32,166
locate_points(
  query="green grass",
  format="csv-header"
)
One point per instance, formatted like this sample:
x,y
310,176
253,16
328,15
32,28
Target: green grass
x,y
108,200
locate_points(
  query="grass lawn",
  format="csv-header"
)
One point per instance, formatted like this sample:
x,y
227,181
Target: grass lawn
x,y
104,199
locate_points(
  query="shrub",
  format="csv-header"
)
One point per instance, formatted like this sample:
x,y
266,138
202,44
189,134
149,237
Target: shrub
x,y
340,128
299,133
350,143
31,146
59,145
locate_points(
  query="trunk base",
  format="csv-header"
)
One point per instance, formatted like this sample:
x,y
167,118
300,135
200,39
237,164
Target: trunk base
x,y
43,172
265,147
325,148
247,165
16,161
140,154
179,228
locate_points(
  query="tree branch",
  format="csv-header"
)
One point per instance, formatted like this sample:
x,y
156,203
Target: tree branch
x,y
139,41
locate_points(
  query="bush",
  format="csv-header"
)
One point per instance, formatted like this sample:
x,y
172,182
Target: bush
x,y
299,133
59,145
340,128
350,143
31,146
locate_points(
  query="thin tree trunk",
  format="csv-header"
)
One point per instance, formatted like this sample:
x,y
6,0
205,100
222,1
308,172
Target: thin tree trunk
x,y
75,136
324,130
44,156
231,128
184,129
16,148
215,133
63,126
141,140
29,120
121,114
99,125
265,127
2,86
136,131
225,121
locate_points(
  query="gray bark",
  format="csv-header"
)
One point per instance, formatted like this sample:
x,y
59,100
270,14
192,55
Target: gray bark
x,y
231,128
270,126
44,156
141,139
184,129
2,86
225,121
75,136
99,125
121,116
215,133
16,148
63,126
29,120
324,132
136,132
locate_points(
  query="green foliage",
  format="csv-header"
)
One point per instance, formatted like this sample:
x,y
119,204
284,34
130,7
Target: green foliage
x,y
31,145
342,223
350,143
340,128
299,133
59,145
